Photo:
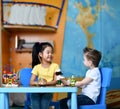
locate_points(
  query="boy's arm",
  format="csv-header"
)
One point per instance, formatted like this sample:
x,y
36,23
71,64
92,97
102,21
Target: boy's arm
x,y
84,82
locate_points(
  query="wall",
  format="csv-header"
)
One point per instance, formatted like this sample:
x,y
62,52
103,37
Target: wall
x,y
17,60
93,23
8,54
0,46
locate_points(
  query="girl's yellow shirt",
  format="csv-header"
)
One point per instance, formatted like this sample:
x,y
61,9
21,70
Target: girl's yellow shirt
x,y
46,73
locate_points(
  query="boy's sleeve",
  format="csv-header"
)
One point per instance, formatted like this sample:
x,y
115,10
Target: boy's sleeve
x,y
93,75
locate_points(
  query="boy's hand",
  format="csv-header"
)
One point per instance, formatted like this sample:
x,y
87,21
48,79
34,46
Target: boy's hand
x,y
77,83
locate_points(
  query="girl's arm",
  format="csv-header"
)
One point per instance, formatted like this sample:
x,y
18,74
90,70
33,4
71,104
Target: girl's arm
x,y
84,82
32,80
65,82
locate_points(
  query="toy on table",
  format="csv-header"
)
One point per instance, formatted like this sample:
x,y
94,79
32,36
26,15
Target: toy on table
x,y
9,77
72,81
59,76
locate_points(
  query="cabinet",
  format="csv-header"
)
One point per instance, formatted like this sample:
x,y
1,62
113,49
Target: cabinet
x,y
30,33
32,15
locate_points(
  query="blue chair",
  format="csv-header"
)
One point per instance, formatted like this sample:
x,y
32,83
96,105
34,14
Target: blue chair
x,y
106,74
25,75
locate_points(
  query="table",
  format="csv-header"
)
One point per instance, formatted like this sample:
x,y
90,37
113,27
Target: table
x,y
5,90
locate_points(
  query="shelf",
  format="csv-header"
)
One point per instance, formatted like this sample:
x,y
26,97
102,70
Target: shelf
x,y
21,45
30,28
24,50
46,27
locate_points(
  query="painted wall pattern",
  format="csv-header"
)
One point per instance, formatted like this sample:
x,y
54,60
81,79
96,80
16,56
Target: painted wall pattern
x,y
93,23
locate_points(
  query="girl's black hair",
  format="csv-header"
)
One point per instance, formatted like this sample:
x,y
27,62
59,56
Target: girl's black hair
x,y
38,47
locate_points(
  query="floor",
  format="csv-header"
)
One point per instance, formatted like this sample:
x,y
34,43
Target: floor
x,y
23,108
16,107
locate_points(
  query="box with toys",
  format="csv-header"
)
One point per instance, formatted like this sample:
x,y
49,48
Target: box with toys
x,y
9,77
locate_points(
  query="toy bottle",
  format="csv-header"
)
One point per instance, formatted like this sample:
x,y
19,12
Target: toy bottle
x,y
58,74
72,81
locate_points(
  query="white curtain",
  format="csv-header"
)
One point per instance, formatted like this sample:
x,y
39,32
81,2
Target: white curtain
x,y
27,14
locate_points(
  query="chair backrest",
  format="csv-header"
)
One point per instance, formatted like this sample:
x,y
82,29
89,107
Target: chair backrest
x,y
106,74
25,75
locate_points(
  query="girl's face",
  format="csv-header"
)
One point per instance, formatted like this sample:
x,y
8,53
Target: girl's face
x,y
47,54
86,62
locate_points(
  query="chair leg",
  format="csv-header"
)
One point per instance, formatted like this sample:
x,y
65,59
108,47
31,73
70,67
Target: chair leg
x,y
27,105
55,104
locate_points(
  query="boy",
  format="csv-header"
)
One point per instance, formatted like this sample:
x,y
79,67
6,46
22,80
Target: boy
x,y
90,84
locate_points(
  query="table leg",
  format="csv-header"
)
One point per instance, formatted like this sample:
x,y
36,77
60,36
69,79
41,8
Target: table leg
x,y
74,100
1,101
4,101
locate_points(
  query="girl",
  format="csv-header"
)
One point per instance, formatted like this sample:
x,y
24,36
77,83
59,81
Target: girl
x,y
44,69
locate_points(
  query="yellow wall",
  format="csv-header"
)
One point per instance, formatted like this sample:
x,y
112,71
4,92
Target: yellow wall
x,y
20,60
0,47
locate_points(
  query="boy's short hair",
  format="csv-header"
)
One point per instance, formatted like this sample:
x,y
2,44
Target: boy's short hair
x,y
93,55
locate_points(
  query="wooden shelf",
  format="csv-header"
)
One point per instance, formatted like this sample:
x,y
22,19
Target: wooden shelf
x,y
50,28
30,28
24,50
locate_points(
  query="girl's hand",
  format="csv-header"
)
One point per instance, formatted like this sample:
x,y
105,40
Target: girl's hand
x,y
59,77
65,82
42,82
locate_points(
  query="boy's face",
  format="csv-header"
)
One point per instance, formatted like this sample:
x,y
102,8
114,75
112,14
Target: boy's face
x,y
86,62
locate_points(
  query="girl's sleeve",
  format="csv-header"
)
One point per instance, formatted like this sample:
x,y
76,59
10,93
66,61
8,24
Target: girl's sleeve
x,y
57,67
34,71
